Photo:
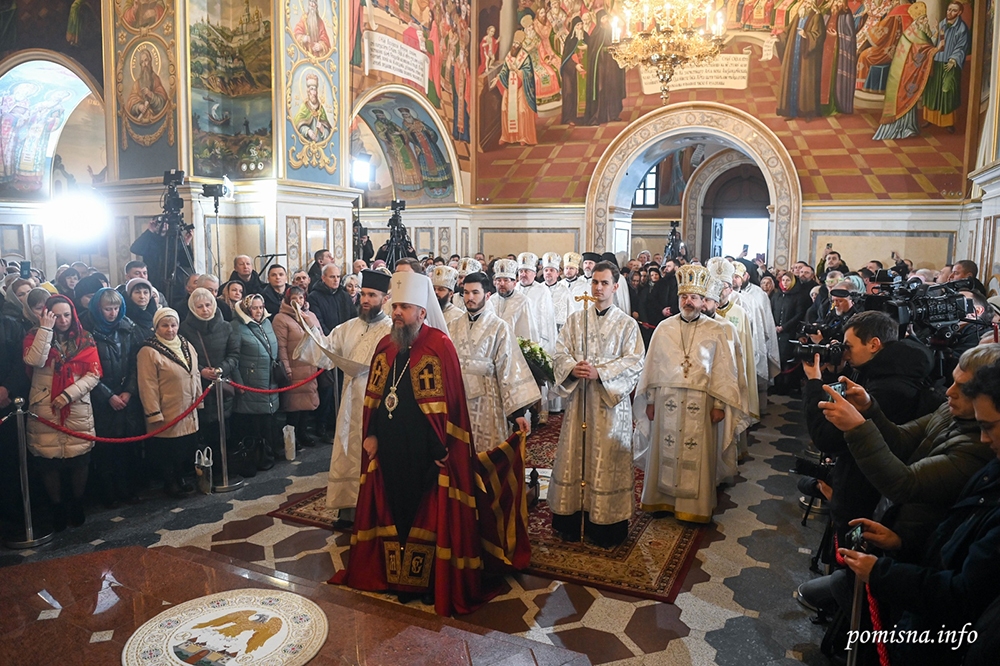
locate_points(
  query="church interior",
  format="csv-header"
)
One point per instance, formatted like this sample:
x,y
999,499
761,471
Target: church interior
x,y
864,126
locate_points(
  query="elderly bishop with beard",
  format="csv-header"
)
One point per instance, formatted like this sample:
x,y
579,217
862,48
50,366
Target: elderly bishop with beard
x,y
599,356
690,383
416,533
498,388
350,347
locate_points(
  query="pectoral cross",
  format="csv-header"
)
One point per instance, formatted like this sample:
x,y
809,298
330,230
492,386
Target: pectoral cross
x,y
686,365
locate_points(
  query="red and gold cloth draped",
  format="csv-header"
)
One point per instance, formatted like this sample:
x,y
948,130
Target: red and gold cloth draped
x,y
445,528
503,509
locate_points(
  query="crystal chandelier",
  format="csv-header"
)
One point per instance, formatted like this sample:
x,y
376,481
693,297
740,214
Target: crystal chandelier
x,y
665,35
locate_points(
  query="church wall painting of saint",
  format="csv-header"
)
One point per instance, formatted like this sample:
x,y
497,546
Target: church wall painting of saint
x,y
873,91
424,46
231,101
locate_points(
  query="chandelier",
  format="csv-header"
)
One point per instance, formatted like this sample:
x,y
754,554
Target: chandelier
x,y
665,35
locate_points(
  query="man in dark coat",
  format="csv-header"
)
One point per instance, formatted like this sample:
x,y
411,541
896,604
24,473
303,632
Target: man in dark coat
x,y
320,259
151,245
944,592
248,277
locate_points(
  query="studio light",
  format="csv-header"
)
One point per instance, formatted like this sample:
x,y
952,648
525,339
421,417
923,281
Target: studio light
x,y
76,217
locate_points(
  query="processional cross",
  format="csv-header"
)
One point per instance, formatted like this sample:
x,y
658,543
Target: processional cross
x,y
586,299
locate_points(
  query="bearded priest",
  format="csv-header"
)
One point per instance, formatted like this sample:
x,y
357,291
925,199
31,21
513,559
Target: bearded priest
x,y
416,532
599,356
689,384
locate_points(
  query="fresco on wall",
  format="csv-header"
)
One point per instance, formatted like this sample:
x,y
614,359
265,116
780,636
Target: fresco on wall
x,y
70,27
80,159
423,45
36,99
377,189
413,149
231,109
311,95
880,84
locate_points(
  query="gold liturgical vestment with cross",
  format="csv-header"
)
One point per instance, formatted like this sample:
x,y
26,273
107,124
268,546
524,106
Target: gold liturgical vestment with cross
x,y
685,447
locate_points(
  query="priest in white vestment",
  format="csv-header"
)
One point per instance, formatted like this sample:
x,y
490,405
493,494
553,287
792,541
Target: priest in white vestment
x,y
350,347
444,278
562,302
723,273
577,283
465,266
600,355
690,383
498,383
757,305
542,312
511,305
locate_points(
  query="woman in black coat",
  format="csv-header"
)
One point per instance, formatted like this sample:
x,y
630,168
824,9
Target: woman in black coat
x,y
788,304
115,399
218,348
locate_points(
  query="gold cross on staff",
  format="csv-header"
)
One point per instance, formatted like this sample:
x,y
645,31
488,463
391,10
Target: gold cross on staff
x,y
585,298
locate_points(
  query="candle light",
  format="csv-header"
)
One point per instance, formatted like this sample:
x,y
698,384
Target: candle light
x,y
616,31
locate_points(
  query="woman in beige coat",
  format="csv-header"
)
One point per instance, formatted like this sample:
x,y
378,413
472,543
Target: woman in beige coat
x,y
169,383
301,403
65,368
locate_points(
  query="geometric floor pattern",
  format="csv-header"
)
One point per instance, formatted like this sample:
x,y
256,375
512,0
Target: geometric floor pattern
x,y
735,606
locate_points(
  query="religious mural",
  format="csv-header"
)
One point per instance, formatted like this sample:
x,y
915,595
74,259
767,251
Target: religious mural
x,y
311,91
70,27
231,106
32,117
80,158
377,188
423,45
867,71
413,149
145,79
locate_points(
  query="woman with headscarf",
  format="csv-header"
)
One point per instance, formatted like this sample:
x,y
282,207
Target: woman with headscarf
x,y
117,409
169,383
66,283
230,295
258,351
218,348
573,73
140,305
299,404
65,368
13,303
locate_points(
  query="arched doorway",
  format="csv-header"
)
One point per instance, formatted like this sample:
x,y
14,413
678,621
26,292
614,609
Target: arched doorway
x,y
642,144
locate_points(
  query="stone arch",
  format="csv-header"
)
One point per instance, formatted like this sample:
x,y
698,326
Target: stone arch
x,y
693,199
634,151
443,132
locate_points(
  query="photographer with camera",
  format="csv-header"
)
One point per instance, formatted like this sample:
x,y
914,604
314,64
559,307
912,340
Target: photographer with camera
x,y
894,371
151,245
954,578
830,327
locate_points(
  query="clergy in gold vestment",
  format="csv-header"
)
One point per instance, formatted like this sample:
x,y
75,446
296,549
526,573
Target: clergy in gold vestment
x,y
689,384
599,352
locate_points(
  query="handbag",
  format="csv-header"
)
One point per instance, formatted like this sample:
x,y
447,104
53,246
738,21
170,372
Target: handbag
x,y
243,457
227,389
203,470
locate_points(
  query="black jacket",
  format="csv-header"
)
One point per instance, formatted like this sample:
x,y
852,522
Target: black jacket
x,y
13,375
662,295
894,377
331,307
789,308
117,351
218,346
252,286
272,301
956,580
152,247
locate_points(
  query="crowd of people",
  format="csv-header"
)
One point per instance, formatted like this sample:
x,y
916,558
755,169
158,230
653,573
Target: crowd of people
x,y
423,376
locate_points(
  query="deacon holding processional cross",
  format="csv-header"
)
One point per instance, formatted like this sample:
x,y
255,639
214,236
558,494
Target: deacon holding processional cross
x,y
598,359
690,383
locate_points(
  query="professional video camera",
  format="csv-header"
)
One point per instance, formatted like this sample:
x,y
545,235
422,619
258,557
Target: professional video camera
x,y
829,354
170,224
934,311
832,332
672,249
398,246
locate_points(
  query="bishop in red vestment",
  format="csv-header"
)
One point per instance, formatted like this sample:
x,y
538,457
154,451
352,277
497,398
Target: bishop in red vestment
x,y
416,531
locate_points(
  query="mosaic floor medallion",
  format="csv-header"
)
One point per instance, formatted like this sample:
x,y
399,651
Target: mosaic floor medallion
x,y
246,627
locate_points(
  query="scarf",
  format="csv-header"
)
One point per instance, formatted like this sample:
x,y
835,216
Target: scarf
x,y
100,324
176,347
198,295
71,355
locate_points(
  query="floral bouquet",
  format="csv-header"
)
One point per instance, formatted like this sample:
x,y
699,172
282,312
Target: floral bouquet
x,y
538,360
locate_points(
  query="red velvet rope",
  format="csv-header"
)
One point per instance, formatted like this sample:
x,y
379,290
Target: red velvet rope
x,y
125,440
251,389
873,610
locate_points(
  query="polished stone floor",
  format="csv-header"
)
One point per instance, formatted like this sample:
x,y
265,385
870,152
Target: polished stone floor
x,y
736,606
